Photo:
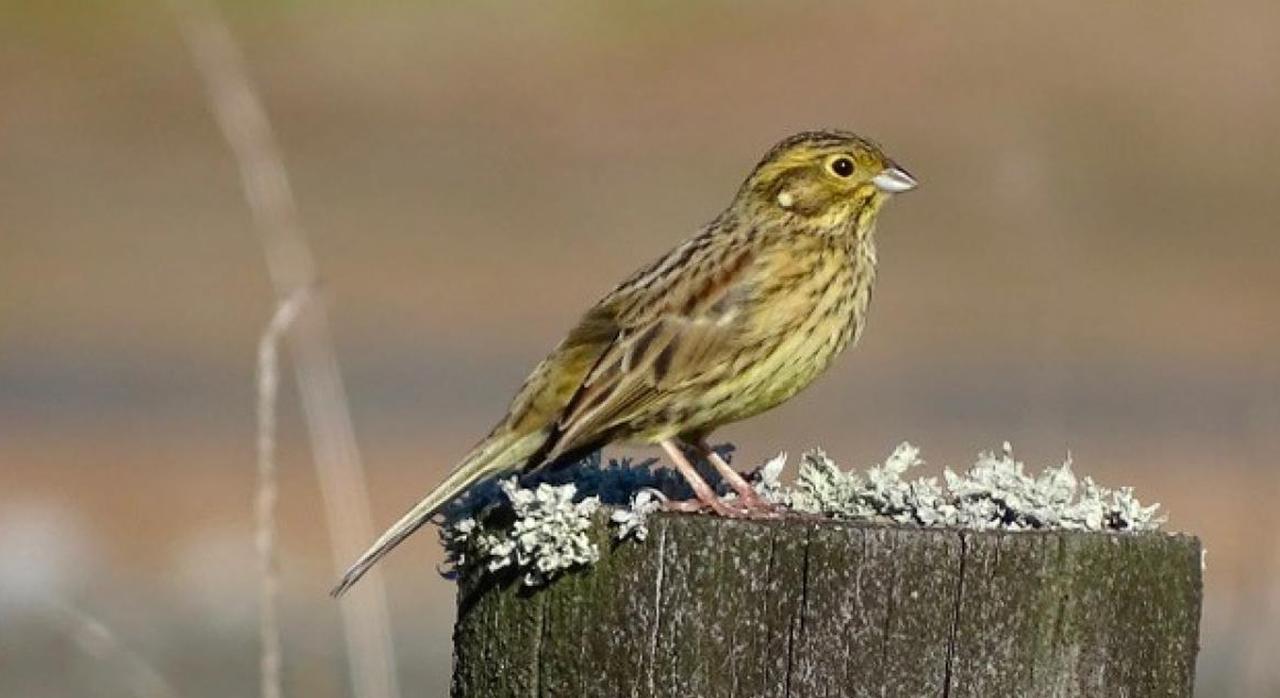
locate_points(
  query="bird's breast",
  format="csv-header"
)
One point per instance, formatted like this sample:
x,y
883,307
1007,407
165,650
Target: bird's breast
x,y
812,310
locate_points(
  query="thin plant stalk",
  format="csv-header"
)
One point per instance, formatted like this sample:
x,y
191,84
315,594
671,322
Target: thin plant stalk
x,y
243,122
96,639
264,507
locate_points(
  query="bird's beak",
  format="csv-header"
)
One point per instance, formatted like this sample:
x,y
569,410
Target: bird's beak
x,y
894,180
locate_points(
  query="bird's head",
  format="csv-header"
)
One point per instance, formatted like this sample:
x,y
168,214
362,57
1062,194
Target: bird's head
x,y
824,179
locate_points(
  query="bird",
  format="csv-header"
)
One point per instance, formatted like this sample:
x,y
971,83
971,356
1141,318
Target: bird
x,y
728,324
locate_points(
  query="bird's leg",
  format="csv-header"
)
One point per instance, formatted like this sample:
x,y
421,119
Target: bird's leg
x,y
746,493
706,496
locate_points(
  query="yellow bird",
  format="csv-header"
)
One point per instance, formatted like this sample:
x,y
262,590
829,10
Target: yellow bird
x,y
730,323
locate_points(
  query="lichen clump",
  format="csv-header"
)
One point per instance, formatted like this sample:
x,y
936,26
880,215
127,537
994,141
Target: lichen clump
x,y
541,528
996,492
549,533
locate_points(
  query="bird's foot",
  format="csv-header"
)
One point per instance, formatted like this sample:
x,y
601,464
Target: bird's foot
x,y
727,509
748,500
752,503
758,508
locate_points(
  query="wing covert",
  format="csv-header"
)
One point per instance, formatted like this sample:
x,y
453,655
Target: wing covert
x,y
685,342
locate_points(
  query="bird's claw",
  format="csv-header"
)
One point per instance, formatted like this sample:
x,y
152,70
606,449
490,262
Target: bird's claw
x,y
716,506
730,509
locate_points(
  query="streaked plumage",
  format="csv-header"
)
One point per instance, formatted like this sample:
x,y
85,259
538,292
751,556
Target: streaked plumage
x,y
727,325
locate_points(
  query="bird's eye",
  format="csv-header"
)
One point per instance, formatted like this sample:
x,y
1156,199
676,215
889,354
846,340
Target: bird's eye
x,y
842,167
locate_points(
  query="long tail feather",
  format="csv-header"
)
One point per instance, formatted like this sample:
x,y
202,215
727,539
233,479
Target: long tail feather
x,y
492,456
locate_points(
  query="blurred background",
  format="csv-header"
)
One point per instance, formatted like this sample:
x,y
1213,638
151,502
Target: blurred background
x,y
1091,265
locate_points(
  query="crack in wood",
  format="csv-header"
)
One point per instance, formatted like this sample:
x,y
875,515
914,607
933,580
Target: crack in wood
x,y
661,552
955,618
797,625
888,617
539,642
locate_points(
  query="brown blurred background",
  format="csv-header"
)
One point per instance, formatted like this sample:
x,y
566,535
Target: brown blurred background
x,y
1092,264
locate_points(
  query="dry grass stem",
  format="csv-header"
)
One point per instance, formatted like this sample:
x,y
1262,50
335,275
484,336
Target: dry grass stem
x,y
243,121
97,640
267,490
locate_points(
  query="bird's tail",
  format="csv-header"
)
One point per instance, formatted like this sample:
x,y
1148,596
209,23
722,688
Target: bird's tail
x,y
499,452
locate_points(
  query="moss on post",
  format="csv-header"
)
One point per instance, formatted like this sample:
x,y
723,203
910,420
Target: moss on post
x,y
801,607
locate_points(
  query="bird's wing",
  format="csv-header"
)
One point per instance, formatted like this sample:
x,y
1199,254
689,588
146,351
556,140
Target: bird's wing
x,y
552,384
689,339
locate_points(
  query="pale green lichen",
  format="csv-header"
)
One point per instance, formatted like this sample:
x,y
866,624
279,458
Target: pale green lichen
x,y
823,488
632,521
995,493
540,528
549,534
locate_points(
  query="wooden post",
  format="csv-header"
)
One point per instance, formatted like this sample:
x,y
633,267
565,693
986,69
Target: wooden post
x,y
798,608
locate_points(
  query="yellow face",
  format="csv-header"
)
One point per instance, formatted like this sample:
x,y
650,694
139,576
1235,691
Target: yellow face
x,y
826,178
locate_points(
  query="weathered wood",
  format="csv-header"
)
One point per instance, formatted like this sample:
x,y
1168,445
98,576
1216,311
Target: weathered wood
x,y
714,607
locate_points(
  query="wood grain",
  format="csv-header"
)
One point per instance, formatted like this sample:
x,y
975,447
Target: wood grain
x,y
802,608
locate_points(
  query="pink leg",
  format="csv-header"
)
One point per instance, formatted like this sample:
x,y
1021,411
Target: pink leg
x,y
746,493
706,496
